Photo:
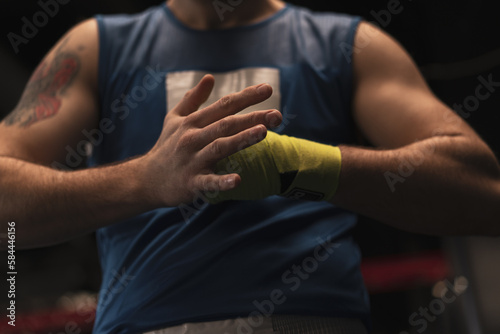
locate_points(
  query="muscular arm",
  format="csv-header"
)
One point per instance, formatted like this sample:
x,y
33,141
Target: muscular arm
x,y
60,100
431,172
51,206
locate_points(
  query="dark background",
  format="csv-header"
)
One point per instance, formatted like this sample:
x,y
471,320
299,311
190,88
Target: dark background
x,y
453,42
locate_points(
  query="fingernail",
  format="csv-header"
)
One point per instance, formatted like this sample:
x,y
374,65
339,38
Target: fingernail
x,y
230,182
258,134
273,119
263,89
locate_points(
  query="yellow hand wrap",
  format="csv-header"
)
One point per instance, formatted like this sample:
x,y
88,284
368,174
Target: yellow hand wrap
x,y
281,165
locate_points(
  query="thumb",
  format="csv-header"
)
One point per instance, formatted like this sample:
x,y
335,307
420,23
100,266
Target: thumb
x,y
196,96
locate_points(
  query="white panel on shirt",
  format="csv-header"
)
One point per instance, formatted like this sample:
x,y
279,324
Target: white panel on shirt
x,y
178,83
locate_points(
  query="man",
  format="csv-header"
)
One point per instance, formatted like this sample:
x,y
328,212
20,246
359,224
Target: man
x,y
248,261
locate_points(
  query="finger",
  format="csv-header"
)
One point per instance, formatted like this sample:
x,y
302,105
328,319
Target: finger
x,y
231,104
211,184
224,147
195,97
232,125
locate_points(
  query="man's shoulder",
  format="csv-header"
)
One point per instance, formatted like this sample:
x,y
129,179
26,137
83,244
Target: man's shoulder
x,y
333,27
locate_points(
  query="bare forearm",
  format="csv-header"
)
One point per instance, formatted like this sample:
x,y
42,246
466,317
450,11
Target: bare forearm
x,y
51,206
441,185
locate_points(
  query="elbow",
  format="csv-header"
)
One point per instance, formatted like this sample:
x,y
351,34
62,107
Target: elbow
x,y
488,164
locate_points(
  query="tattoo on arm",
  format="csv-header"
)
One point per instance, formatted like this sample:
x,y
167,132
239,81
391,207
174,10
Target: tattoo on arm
x,y
42,96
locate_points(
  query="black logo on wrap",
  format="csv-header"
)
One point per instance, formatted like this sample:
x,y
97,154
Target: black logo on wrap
x,y
303,194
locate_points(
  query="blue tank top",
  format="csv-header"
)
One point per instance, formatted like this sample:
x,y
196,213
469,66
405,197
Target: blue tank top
x,y
205,262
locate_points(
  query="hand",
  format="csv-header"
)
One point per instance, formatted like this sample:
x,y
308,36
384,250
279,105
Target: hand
x,y
181,164
280,165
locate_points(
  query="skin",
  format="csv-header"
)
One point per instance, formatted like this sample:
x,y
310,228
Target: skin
x,y
42,200
392,107
455,186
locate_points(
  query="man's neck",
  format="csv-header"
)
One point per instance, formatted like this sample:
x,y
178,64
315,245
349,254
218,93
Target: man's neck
x,y
222,14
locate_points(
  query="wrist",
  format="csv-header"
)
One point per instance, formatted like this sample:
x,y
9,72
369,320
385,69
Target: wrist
x,y
308,170
280,165
143,183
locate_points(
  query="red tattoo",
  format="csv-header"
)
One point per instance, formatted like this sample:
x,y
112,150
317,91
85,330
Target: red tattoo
x,y
42,96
